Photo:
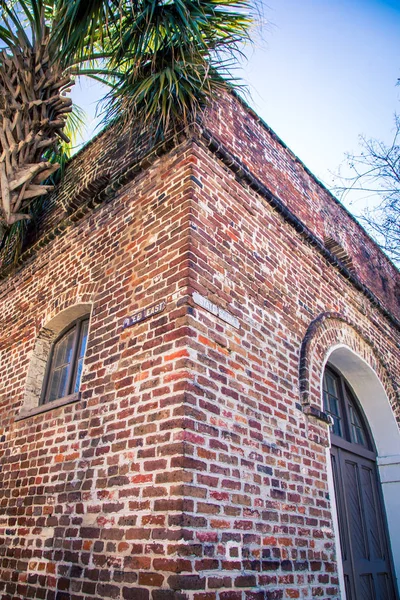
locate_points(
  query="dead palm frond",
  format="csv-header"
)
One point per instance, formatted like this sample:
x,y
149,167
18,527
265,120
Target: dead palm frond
x,y
12,237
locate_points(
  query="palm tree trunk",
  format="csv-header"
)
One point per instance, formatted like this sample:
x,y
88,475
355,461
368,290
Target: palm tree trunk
x,y
33,109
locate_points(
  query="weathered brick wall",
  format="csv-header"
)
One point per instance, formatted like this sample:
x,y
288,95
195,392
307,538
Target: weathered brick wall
x,y
189,468
264,154
261,461
85,488
111,154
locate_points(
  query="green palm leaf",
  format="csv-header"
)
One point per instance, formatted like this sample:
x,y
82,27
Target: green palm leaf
x,y
163,60
196,40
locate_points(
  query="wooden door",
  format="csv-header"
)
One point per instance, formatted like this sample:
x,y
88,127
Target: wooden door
x,y
362,526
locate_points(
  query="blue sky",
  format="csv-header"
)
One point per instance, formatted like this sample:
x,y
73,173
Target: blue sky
x,y
321,73
325,73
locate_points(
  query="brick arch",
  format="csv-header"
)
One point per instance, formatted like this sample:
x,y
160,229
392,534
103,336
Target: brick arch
x,y
325,332
83,293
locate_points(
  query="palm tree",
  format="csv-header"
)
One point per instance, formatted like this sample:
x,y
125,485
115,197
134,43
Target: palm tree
x,y
161,59
170,55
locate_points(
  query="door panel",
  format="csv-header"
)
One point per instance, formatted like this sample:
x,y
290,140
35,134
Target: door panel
x,y
384,587
343,531
366,587
366,563
358,537
372,512
349,588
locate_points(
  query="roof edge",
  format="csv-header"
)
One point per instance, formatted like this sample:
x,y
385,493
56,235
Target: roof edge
x,y
276,137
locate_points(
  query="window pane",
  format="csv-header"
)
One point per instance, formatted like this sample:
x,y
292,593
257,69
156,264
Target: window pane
x,y
59,382
83,339
64,347
332,403
81,355
69,346
66,366
357,433
62,388
331,385
54,383
337,427
78,375
326,402
57,355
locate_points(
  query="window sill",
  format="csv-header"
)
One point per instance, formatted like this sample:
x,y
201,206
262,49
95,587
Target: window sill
x,y
37,410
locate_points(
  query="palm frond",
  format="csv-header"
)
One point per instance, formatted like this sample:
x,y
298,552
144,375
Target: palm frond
x,y
83,27
11,14
165,93
61,154
176,55
163,60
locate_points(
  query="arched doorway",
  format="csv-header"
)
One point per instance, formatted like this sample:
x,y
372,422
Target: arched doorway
x,y
363,535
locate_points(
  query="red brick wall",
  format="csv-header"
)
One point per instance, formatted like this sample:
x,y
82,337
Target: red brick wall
x,y
85,488
258,148
262,461
188,469
264,154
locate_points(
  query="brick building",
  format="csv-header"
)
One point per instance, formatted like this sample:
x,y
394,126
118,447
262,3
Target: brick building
x,y
174,343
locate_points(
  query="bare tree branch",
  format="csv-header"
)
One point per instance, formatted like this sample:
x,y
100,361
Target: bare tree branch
x,y
376,170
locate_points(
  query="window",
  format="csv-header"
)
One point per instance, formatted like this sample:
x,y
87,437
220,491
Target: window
x,y
341,404
332,402
64,369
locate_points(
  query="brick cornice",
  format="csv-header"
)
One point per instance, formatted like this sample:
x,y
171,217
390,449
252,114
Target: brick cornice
x,y
199,134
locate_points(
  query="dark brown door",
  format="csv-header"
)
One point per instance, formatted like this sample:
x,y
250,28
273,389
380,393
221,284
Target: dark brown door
x,y
362,526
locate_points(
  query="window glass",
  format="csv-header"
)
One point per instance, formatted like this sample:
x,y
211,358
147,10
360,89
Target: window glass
x,y
357,433
341,405
81,354
66,362
332,402
61,366
357,429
